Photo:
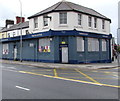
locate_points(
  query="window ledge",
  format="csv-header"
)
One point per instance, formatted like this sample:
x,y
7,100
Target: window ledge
x,y
90,28
78,26
104,30
96,29
45,27
35,29
63,25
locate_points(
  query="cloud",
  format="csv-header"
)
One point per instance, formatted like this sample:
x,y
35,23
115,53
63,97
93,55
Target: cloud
x,y
11,8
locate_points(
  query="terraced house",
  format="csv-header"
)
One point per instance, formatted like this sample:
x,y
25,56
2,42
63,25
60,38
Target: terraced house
x,y
63,33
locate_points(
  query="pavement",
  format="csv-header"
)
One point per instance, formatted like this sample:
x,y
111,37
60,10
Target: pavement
x,y
65,66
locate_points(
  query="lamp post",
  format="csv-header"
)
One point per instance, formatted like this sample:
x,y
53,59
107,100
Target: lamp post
x,y
20,31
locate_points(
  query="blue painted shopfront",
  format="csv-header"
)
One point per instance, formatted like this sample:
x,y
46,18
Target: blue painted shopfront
x,y
58,40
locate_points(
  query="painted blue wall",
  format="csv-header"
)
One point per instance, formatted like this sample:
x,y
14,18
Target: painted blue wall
x,y
32,53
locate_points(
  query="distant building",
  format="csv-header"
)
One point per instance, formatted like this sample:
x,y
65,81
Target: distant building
x,y
118,34
63,33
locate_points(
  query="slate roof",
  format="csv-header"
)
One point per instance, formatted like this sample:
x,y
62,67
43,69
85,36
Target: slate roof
x,y
69,6
17,26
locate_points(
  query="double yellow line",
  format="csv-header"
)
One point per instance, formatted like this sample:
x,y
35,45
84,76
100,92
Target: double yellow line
x,y
62,78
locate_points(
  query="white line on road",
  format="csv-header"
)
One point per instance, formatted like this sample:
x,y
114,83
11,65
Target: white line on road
x,y
9,70
22,88
11,67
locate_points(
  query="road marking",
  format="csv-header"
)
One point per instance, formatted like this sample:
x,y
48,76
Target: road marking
x,y
55,72
22,88
87,76
94,71
62,78
11,67
9,70
115,75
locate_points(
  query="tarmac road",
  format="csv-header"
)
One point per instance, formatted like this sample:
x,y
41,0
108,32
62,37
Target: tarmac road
x,y
28,82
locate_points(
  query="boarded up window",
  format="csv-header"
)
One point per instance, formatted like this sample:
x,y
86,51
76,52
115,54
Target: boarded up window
x,y
80,44
93,44
104,45
44,45
5,49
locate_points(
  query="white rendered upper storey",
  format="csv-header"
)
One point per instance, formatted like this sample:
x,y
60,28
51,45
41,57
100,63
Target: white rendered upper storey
x,y
118,34
69,16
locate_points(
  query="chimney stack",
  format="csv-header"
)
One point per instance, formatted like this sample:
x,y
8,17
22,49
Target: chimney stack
x,y
9,23
18,19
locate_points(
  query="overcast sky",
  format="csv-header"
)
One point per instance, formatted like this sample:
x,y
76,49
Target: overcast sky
x,y
11,8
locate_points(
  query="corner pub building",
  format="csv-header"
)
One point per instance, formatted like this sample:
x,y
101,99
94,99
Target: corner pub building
x,y
63,33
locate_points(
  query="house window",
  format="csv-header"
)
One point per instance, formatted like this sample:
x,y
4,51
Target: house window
x,y
90,21
36,22
80,44
2,35
8,35
95,22
93,44
79,19
13,34
5,48
27,32
44,45
63,17
45,20
103,24
104,45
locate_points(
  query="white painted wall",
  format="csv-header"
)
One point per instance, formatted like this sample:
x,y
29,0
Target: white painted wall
x,y
71,24
17,32
118,34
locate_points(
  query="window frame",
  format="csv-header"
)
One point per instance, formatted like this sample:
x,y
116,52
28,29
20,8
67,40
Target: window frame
x,y
3,35
44,45
95,23
93,45
45,20
104,45
81,45
89,21
5,49
36,22
103,24
79,19
63,18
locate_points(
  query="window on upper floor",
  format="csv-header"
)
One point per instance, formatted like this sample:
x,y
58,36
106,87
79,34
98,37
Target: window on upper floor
x,y
103,24
8,35
27,32
36,22
63,17
13,34
45,20
3,35
95,22
79,19
89,21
